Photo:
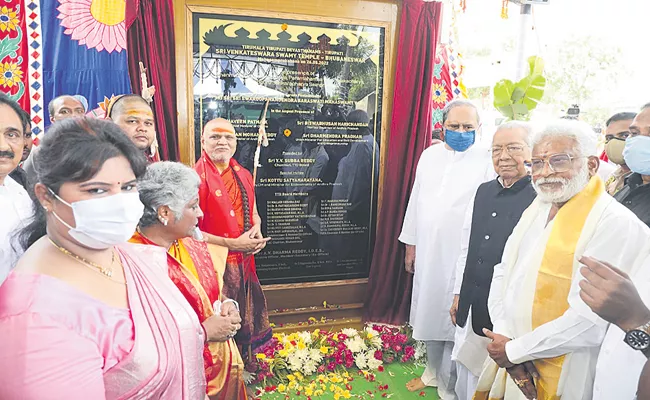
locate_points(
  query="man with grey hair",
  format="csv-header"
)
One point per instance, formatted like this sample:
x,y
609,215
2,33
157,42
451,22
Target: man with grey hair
x,y
169,192
489,221
447,177
545,337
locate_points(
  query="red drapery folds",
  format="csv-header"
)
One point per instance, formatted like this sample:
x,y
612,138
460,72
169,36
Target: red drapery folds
x,y
389,286
150,39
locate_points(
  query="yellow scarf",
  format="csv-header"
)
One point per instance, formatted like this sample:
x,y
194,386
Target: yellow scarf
x,y
551,292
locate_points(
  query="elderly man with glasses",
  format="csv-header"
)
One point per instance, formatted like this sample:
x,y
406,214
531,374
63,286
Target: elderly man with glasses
x,y
545,339
489,221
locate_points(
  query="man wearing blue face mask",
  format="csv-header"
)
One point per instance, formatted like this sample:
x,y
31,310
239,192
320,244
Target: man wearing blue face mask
x,y
635,195
446,179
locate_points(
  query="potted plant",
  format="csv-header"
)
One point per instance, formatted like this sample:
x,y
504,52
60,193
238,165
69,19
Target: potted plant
x,y
516,100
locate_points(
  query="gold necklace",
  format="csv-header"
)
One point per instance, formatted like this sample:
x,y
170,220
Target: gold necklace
x,y
107,272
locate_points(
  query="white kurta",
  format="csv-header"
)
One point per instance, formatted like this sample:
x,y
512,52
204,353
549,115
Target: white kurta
x,y
445,181
619,366
470,349
15,213
613,235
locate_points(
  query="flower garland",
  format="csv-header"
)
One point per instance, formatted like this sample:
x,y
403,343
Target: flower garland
x,y
314,363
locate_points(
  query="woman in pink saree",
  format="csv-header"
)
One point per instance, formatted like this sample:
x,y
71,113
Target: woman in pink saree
x,y
85,315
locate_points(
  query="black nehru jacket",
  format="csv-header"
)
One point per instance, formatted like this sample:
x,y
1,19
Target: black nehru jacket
x,y
636,196
496,212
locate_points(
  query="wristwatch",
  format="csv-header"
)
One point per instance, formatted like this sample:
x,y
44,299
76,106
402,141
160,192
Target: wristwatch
x,y
639,338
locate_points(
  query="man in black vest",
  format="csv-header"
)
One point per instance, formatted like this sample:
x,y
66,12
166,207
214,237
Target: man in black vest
x,y
491,217
635,195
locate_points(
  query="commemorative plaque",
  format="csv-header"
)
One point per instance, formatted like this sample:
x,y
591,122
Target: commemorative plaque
x,y
317,180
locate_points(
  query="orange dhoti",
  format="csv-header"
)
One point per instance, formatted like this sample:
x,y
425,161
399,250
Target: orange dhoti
x,y
228,202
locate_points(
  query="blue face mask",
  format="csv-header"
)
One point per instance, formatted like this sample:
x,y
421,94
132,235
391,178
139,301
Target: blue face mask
x,y
637,154
460,141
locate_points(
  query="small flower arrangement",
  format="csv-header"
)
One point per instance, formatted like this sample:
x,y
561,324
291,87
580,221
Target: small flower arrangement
x,y
319,361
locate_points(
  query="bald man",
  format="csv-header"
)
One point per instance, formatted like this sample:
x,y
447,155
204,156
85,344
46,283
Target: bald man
x,y
227,198
65,106
62,107
134,115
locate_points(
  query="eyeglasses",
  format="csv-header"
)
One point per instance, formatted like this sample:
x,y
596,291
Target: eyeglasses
x,y
512,149
623,136
558,163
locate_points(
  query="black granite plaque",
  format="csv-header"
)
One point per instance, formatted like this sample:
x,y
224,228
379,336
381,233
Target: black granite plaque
x,y
317,180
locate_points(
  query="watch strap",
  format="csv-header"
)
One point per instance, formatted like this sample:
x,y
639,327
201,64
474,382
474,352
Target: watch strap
x,y
645,328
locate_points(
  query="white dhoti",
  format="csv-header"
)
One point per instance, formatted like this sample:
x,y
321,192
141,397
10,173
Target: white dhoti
x,y
440,371
469,354
433,224
466,382
538,280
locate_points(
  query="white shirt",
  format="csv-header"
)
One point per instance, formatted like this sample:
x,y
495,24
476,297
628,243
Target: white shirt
x,y
445,182
15,213
619,366
579,331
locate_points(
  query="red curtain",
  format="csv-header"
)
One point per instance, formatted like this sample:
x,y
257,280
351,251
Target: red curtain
x,y
389,286
150,39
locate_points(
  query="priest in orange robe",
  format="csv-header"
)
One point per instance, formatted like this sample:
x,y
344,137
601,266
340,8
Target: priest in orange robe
x,y
227,198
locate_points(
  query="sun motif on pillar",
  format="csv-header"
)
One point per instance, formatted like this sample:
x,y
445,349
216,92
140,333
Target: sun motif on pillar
x,y
97,24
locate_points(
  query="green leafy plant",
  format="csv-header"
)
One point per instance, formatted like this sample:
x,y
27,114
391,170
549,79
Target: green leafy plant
x,y
516,100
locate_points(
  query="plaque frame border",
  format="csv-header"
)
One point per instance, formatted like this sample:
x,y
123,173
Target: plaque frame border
x,y
383,13
183,15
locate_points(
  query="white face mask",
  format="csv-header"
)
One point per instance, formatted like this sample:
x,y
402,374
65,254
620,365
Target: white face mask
x,y
104,222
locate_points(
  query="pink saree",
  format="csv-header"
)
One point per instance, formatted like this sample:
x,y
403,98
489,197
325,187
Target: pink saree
x,y
58,342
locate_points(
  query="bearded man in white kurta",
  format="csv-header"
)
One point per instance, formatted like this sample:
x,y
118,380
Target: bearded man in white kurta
x,y
545,337
447,177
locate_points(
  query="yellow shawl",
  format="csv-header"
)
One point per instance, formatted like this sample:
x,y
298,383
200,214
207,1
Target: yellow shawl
x,y
551,292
